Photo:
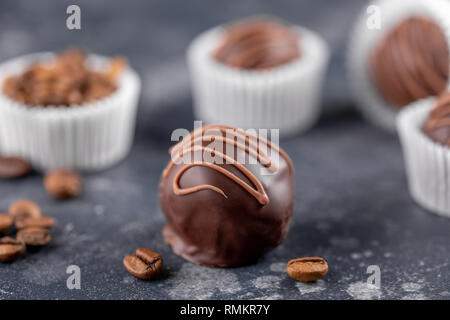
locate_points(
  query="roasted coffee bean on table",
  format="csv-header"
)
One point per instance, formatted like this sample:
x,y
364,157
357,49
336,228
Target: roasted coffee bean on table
x,y
10,249
34,236
145,264
13,167
41,222
307,269
23,209
5,222
63,183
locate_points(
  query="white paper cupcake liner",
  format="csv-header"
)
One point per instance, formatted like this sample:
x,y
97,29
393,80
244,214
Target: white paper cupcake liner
x,y
285,98
368,99
427,162
88,137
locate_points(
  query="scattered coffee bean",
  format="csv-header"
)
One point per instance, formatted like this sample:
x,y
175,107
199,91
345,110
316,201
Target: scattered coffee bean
x,y
34,236
145,264
41,222
307,269
5,222
13,167
10,249
23,209
63,183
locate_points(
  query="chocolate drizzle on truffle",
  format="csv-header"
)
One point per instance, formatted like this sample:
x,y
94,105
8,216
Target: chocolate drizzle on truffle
x,y
411,62
437,126
242,222
252,149
258,44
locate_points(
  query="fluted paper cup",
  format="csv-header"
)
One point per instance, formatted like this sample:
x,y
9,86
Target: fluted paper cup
x,y
286,97
427,162
91,136
363,40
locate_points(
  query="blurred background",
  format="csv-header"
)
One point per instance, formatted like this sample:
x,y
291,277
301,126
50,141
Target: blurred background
x,y
154,36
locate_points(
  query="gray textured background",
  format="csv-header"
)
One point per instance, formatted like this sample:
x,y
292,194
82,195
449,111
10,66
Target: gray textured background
x,y
352,204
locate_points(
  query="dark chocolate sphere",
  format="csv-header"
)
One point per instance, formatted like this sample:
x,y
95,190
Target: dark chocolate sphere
x,y
258,44
227,213
411,62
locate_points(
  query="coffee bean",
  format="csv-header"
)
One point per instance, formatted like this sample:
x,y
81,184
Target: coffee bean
x,y
13,167
63,183
145,264
307,269
34,236
5,222
10,249
41,222
23,209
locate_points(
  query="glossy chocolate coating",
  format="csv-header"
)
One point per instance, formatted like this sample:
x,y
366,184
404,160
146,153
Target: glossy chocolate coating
x,y
437,126
258,44
223,224
411,62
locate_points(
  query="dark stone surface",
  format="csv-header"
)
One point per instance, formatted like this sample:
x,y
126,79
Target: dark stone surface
x,y
352,203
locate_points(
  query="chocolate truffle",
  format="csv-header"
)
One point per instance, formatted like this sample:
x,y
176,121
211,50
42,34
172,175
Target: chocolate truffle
x,y
437,126
258,44
227,196
411,62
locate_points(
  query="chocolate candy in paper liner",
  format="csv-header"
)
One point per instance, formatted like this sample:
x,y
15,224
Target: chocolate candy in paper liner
x,y
375,58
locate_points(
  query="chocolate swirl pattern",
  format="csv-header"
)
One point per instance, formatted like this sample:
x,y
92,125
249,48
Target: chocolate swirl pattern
x,y
258,44
251,147
222,211
437,126
411,62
